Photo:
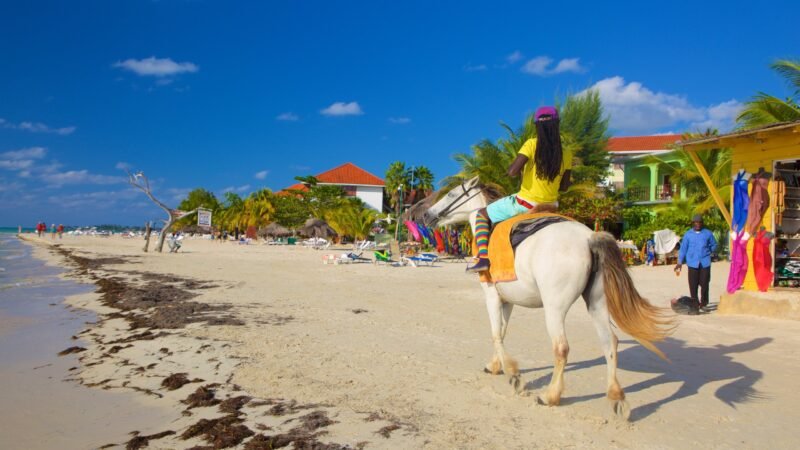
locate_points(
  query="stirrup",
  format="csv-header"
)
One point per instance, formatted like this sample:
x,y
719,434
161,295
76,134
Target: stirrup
x,y
481,266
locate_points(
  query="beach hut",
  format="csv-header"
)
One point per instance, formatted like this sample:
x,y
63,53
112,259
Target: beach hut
x,y
317,228
771,153
274,230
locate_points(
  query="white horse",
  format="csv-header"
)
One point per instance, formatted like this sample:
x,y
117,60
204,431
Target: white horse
x,y
554,267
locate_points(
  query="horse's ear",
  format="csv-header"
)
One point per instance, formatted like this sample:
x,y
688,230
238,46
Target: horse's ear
x,y
472,183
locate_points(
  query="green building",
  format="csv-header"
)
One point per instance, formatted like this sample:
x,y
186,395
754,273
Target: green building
x,y
645,181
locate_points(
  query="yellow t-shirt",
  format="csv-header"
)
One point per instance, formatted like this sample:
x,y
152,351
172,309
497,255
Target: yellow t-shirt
x,y
540,190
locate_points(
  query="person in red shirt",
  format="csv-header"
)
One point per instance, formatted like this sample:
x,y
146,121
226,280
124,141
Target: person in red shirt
x,y
60,230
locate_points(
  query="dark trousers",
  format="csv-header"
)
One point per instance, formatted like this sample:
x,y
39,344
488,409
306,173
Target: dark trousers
x,y
699,277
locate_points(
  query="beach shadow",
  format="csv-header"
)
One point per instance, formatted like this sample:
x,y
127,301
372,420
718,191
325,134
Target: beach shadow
x,y
692,367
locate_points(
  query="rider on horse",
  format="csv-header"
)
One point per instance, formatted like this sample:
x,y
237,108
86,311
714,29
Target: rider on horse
x,y
545,170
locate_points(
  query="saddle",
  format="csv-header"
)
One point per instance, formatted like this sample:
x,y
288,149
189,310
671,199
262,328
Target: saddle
x,y
505,238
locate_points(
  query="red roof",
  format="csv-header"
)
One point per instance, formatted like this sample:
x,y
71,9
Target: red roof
x,y
346,174
642,143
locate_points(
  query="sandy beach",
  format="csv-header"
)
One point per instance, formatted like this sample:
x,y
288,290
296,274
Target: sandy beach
x,y
261,346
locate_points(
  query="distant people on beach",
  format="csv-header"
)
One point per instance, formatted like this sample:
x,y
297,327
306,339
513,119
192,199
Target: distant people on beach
x,y
40,229
174,242
52,231
60,230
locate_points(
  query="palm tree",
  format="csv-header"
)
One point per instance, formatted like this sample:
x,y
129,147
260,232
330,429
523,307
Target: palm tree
x,y
423,179
764,109
396,175
717,163
258,209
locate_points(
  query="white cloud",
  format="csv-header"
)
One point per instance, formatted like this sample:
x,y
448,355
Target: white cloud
x,y
157,67
343,109
21,160
540,66
568,65
399,120
288,117
636,109
25,153
475,68
78,177
96,200
514,57
37,127
721,116
261,175
122,166
239,189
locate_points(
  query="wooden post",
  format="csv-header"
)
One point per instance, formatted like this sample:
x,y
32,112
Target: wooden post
x,y
147,231
710,185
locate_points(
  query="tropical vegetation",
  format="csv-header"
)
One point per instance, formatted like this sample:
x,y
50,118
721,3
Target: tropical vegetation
x,y
764,109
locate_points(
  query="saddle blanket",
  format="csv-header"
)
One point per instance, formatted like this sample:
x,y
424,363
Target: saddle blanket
x,y
505,238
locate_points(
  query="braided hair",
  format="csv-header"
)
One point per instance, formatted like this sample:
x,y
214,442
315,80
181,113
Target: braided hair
x,y
548,156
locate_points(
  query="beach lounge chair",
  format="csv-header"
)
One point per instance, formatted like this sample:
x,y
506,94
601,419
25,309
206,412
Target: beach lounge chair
x,y
384,257
427,259
354,258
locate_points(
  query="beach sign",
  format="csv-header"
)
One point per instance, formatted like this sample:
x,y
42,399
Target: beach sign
x,y
203,218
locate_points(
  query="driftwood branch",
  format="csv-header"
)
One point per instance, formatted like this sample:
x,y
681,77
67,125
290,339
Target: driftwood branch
x,y
141,182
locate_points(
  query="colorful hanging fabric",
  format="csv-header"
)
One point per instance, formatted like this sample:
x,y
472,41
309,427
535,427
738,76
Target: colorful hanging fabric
x,y
439,241
762,260
412,228
738,263
741,201
759,202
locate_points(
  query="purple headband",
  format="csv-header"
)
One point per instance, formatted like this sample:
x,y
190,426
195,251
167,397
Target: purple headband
x,y
546,111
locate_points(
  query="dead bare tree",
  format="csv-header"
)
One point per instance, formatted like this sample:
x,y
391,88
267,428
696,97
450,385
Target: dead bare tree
x,y
140,181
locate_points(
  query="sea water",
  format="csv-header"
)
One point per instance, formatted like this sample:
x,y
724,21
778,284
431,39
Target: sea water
x,y
41,406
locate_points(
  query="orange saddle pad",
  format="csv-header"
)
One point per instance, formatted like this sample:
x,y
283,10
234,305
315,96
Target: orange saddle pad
x,y
501,253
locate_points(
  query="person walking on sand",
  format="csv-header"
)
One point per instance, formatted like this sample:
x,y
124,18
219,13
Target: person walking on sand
x,y
697,246
545,169
52,231
60,230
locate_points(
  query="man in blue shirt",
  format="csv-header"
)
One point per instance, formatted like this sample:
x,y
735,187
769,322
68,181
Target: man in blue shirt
x,y
697,246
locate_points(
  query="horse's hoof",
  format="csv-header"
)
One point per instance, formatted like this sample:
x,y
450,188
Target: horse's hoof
x,y
622,410
542,399
492,372
516,383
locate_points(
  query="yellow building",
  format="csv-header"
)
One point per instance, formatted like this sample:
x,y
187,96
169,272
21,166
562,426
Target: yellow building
x,y
776,149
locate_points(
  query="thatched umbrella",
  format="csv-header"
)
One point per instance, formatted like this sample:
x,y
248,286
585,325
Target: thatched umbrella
x,y
317,228
274,230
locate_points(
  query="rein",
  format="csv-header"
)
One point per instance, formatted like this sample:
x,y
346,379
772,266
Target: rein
x,y
454,205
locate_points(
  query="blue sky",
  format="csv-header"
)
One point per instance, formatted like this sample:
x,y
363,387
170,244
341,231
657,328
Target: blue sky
x,y
233,95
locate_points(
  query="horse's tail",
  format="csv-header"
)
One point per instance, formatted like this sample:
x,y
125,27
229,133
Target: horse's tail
x,y
632,313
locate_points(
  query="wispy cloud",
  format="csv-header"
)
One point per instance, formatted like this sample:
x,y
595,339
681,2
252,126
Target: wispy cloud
x,y
343,109
156,67
237,189
288,117
475,68
78,177
37,127
399,120
635,109
25,153
122,165
261,175
540,66
300,168
514,57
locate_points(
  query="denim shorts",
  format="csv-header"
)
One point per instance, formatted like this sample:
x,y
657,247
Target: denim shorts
x,y
505,208
508,207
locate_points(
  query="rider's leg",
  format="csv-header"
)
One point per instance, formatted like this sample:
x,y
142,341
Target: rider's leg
x,y
480,229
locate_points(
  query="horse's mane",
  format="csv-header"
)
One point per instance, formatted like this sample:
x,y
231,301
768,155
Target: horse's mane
x,y
491,191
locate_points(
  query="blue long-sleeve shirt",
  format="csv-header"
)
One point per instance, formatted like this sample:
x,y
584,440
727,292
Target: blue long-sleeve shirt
x,y
696,248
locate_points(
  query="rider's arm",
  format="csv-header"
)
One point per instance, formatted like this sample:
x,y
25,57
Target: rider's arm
x,y
566,181
516,167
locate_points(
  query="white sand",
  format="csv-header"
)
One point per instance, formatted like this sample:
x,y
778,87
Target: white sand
x,y
417,355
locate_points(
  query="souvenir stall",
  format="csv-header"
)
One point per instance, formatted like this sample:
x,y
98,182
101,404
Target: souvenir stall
x,y
764,220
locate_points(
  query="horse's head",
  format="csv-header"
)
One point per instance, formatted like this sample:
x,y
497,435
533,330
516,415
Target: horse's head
x,y
456,205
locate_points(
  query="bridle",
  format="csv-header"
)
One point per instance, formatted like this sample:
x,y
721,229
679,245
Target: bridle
x,y
455,203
